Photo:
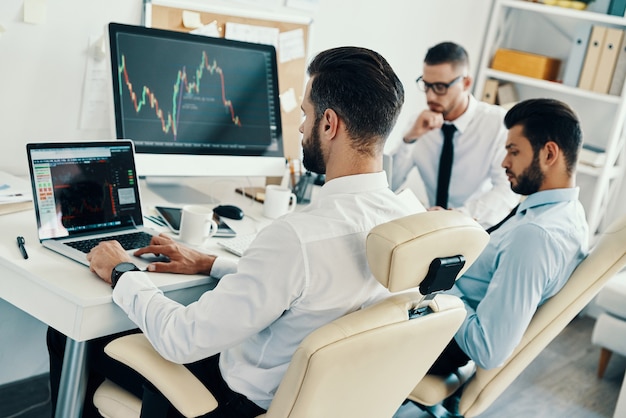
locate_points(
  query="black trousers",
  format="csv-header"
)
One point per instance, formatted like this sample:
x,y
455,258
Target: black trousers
x,y
450,359
100,366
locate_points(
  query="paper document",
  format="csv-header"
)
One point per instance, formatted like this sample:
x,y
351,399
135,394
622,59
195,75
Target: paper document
x,y
15,194
14,189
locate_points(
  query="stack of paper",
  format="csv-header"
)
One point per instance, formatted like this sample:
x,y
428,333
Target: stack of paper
x,y
15,194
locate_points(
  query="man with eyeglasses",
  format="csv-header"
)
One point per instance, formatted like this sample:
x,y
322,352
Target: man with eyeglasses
x,y
463,170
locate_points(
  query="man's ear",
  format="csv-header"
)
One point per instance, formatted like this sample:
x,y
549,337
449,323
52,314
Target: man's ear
x,y
329,123
552,152
467,82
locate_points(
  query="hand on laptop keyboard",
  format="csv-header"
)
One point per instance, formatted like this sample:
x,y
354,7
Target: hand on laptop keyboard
x,y
128,241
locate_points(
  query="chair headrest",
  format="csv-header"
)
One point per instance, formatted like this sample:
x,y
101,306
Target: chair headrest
x,y
400,252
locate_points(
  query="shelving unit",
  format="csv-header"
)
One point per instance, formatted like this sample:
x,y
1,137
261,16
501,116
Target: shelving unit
x,y
549,30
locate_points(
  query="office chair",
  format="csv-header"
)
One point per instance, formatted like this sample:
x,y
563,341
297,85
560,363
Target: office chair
x,y
363,364
607,257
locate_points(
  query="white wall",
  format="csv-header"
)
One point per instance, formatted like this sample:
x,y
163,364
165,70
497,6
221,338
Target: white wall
x,y
42,69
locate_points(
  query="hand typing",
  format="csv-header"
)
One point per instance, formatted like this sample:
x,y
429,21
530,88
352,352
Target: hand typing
x,y
182,259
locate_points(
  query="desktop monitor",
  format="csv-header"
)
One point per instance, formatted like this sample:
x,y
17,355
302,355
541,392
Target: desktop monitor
x,y
195,106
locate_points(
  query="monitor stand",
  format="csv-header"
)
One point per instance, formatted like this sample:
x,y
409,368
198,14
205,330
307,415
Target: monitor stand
x,y
173,191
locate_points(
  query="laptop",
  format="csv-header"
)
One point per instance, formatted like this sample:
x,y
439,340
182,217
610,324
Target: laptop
x,y
86,192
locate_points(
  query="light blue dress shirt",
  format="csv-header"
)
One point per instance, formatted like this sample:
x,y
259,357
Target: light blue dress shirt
x,y
528,260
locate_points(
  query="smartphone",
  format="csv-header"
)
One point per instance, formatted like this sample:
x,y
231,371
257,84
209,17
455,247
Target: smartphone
x,y
172,216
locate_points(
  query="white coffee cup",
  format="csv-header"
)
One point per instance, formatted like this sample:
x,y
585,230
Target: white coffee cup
x,y
197,224
278,201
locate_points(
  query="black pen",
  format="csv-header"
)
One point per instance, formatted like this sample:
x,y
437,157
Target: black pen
x,y
20,243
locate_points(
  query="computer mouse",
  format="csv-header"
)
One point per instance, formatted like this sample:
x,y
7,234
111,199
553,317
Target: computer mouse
x,y
228,211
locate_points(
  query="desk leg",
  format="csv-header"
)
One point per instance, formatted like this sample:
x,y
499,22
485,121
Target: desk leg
x,y
73,380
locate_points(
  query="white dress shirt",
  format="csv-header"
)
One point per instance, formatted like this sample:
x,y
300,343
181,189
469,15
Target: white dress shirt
x,y
301,272
478,183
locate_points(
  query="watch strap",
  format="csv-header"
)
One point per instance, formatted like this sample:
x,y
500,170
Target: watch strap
x,y
119,270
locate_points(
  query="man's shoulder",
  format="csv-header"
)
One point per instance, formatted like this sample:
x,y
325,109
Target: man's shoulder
x,y
548,227
487,119
489,110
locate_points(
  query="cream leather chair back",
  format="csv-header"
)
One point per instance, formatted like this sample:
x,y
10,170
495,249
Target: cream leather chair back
x,y
607,258
363,364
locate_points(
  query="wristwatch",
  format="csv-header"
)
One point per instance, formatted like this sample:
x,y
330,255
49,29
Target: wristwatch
x,y
120,269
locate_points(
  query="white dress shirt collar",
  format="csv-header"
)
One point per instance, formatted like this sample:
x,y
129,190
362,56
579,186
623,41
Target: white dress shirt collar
x,y
462,121
357,183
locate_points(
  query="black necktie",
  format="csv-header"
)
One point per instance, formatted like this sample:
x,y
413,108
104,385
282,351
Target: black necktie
x,y
445,165
506,218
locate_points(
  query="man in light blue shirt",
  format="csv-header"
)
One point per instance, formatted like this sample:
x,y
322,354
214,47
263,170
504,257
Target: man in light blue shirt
x,y
531,254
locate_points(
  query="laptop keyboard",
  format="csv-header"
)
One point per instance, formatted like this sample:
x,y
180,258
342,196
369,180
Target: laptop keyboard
x,y
128,241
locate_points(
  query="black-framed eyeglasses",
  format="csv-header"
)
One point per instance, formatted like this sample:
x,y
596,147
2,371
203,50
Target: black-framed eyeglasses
x,y
438,88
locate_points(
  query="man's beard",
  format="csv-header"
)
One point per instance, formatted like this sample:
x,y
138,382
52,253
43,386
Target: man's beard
x,y
313,159
530,180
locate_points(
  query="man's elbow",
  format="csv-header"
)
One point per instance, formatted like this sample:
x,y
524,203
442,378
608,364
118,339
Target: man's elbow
x,y
491,361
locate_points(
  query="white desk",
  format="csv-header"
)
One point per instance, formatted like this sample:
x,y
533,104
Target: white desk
x,y
68,297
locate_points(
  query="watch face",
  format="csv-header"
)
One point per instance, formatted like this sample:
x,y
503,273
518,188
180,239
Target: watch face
x,y
124,267
120,269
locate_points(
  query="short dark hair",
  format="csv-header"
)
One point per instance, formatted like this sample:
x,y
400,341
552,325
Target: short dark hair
x,y
546,120
447,52
362,88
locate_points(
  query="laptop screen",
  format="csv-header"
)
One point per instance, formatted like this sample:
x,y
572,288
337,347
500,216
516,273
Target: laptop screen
x,y
83,188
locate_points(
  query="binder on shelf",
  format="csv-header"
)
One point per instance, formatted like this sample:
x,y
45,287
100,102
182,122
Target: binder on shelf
x,y
607,61
577,55
490,90
507,95
617,7
592,56
619,73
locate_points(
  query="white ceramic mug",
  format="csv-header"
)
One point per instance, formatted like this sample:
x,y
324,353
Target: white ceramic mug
x,y
278,201
197,224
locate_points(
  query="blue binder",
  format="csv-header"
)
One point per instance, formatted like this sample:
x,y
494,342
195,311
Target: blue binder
x,y
576,58
617,7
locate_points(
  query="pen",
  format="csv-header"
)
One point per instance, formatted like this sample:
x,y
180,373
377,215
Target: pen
x,y
20,243
155,219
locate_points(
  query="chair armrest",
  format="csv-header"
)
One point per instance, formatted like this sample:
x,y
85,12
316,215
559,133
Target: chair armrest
x,y
184,391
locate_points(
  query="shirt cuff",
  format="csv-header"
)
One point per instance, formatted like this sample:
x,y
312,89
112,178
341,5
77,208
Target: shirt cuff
x,y
223,266
130,285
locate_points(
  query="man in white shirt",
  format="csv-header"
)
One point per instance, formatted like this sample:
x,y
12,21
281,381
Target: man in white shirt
x,y
301,272
476,184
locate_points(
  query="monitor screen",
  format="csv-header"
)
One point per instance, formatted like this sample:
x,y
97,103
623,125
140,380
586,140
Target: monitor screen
x,y
196,105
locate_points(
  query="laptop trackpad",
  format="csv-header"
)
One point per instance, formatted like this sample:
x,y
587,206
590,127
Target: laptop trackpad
x,y
143,260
